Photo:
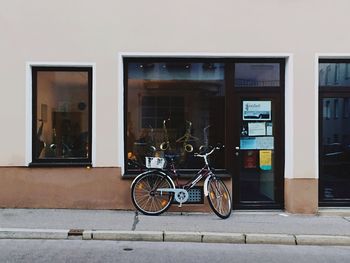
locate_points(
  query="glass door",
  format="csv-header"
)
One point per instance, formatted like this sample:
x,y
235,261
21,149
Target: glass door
x,y
255,132
257,152
335,150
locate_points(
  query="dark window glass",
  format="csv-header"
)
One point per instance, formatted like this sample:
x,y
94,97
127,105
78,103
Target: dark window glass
x,y
335,149
327,109
174,100
257,74
334,74
346,108
61,114
155,109
336,108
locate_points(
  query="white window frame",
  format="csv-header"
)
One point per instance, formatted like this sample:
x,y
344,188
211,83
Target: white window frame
x,y
289,123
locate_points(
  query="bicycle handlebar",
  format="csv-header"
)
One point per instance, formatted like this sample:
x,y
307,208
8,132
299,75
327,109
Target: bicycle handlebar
x,y
208,153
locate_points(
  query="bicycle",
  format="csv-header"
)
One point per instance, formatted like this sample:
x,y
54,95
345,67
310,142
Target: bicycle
x,y
153,191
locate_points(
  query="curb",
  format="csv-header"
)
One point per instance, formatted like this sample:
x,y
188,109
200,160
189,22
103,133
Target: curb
x,y
322,240
154,236
20,233
281,239
170,236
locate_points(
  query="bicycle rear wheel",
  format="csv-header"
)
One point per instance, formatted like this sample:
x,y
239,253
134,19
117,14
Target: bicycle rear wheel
x,y
219,197
145,197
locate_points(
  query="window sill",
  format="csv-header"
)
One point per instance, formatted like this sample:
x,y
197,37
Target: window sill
x,y
221,174
63,164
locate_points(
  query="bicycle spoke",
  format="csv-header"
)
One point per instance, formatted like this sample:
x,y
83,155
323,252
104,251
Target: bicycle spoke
x,y
145,196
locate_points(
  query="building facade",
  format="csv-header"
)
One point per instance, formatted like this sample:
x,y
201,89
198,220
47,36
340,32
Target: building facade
x,y
89,89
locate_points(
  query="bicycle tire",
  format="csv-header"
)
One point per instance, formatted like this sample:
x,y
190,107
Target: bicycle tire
x,y
219,197
146,199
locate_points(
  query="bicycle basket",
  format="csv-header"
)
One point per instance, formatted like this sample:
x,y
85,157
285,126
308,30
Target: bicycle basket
x,y
155,162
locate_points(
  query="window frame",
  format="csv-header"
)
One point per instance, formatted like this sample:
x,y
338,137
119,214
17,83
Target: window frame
x,y
52,162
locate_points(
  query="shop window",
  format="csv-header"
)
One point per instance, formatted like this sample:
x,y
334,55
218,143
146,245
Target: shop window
x,y
61,115
182,102
334,162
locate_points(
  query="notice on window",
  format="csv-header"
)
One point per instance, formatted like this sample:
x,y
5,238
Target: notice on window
x,y
264,143
256,110
265,157
247,143
256,128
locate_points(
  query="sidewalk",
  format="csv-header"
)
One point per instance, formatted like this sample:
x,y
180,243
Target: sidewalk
x,y
274,227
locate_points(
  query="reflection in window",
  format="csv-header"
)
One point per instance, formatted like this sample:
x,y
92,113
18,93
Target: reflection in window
x,y
62,116
346,108
327,110
257,74
335,149
347,71
334,74
169,100
155,109
336,109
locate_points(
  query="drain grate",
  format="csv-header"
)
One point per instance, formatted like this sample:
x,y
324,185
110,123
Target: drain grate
x,y
75,232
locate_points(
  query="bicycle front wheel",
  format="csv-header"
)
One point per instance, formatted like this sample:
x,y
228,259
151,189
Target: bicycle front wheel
x,y
145,196
219,197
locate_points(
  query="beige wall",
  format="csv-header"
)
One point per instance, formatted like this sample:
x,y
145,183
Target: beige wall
x,y
80,188
96,31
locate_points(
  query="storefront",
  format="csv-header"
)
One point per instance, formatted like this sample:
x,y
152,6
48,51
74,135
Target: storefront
x,y
200,102
89,90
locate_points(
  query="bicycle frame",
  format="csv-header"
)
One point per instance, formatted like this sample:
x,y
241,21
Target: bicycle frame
x,y
180,191
204,172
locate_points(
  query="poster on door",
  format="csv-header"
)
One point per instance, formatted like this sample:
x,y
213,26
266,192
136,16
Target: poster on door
x,y
256,129
256,110
265,157
250,159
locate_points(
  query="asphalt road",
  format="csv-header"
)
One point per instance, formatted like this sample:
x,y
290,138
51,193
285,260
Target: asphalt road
x,y
113,251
